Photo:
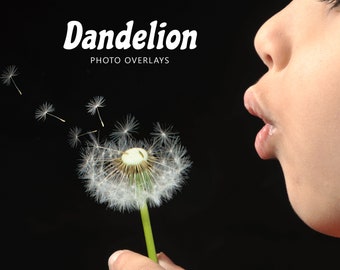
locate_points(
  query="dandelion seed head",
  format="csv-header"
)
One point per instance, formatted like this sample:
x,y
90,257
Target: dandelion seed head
x,y
134,156
10,72
43,110
95,103
126,173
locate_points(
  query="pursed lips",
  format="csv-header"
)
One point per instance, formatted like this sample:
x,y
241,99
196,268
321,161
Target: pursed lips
x,y
262,145
253,106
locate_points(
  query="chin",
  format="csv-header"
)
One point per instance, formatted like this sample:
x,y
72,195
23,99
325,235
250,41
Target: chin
x,y
318,208
320,220
329,228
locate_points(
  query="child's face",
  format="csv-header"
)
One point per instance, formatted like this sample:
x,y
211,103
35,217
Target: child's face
x,y
299,99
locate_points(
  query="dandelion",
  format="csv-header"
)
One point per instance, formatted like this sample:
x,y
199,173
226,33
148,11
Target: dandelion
x,y
128,174
93,107
7,76
44,110
75,134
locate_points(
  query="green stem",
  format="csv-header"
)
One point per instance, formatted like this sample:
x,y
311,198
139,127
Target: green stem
x,y
150,244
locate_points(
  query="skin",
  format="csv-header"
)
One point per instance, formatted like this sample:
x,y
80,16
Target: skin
x,y
129,260
298,98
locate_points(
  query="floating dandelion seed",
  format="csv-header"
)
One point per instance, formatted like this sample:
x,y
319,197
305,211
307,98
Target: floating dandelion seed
x,y
44,110
7,76
75,133
93,107
129,174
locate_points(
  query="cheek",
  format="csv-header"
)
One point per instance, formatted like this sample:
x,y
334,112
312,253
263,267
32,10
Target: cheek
x,y
310,98
309,145
310,118
305,100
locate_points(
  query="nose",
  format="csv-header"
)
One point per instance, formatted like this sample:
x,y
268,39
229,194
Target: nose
x,y
273,41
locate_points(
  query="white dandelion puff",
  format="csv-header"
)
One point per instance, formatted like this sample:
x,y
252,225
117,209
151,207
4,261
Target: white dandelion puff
x,y
93,107
46,109
128,174
7,76
125,128
75,133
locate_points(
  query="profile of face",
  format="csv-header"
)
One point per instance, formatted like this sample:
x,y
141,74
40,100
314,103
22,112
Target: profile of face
x,y
298,99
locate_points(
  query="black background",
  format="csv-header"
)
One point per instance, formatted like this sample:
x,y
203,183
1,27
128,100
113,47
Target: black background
x,y
233,212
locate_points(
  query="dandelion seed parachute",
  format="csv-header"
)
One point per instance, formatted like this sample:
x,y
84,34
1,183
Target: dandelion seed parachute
x,y
10,72
125,128
74,135
43,110
126,173
46,109
93,107
163,133
7,76
94,104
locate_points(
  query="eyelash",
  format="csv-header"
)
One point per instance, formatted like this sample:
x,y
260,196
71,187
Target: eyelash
x,y
333,3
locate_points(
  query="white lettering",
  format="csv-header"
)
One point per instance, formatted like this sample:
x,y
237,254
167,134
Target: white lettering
x,y
138,38
157,37
126,34
170,43
69,44
193,37
103,35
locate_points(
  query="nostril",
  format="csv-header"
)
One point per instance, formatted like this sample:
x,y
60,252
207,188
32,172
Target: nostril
x,y
268,60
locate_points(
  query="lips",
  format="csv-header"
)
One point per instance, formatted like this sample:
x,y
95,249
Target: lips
x,y
263,142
